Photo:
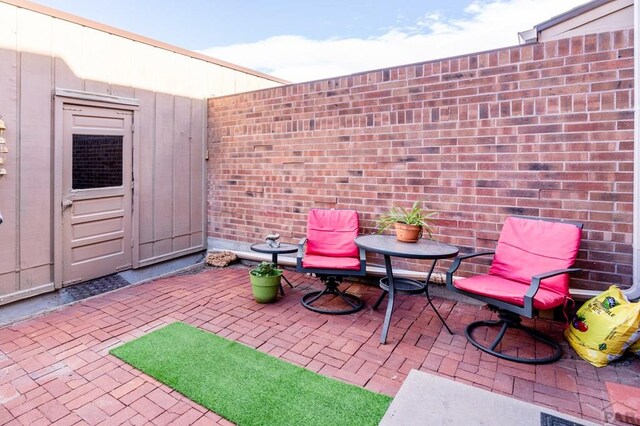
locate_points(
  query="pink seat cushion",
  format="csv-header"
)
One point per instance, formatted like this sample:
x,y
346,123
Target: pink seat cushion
x,y
331,233
528,247
330,262
509,291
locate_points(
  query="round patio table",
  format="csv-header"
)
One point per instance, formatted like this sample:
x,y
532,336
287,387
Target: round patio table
x,y
389,247
275,251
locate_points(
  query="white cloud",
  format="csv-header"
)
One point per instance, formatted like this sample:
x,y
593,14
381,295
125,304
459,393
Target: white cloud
x,y
473,7
488,26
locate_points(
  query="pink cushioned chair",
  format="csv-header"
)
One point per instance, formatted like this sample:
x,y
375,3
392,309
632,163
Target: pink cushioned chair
x,y
329,252
529,272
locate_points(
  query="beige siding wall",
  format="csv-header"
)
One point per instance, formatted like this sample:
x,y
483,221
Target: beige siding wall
x,y
615,15
40,53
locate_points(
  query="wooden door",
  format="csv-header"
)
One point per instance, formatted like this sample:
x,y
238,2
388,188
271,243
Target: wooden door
x,y
96,192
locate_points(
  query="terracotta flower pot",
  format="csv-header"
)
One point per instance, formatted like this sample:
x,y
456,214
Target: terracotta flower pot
x,y
408,233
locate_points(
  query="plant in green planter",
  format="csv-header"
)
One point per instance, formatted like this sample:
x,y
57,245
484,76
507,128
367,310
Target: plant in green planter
x,y
411,222
265,282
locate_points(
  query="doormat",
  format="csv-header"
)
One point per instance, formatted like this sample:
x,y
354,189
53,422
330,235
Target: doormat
x,y
246,386
92,288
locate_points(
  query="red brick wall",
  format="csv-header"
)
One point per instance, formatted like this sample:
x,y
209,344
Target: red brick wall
x,y
541,130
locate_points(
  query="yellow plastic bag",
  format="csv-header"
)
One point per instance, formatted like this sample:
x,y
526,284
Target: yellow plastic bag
x,y
604,327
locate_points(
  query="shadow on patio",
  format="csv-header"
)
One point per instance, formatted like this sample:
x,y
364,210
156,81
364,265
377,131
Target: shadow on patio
x,y
56,367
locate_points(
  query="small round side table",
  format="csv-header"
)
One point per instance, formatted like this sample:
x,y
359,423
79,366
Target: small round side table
x,y
275,251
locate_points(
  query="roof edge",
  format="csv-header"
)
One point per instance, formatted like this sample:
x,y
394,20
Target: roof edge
x,y
24,4
572,13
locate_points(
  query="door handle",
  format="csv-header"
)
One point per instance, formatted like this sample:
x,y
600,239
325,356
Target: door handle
x,y
66,204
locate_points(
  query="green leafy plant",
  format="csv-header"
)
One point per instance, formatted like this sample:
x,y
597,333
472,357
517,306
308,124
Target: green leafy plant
x,y
266,269
416,216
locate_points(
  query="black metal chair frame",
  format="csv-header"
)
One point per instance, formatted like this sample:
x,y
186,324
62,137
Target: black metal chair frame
x,y
331,278
510,315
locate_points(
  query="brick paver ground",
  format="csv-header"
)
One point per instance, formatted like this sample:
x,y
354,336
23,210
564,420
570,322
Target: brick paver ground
x,y
56,368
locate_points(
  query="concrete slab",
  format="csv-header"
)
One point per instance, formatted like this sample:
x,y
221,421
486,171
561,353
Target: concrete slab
x,y
426,399
163,269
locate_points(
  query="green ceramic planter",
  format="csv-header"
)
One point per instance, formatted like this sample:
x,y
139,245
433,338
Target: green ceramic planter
x,y
265,289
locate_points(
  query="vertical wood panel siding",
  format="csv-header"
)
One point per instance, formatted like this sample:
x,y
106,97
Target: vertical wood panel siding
x,y
542,130
39,53
8,185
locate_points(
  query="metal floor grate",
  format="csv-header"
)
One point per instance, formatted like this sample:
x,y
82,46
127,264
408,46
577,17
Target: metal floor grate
x,y
550,420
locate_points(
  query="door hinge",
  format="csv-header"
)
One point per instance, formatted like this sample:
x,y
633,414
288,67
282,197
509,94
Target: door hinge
x,y
206,155
133,128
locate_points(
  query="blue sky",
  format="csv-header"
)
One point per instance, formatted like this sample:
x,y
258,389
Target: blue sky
x,y
306,40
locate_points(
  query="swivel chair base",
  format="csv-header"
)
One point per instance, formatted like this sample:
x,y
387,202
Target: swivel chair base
x,y
353,303
510,320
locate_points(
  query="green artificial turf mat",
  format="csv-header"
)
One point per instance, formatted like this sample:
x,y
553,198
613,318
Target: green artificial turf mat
x,y
246,386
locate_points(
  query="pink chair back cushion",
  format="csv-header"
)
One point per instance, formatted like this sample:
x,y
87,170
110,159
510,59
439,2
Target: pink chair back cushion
x,y
528,247
331,232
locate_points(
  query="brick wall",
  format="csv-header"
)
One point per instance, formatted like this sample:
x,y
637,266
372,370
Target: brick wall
x,y
542,130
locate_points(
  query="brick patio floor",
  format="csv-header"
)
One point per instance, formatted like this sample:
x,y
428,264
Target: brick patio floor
x,y
56,368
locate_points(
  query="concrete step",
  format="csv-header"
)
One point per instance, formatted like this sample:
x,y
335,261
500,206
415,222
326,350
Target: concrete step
x,y
427,399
